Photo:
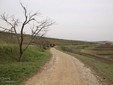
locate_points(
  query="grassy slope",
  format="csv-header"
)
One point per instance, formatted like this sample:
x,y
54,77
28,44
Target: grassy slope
x,y
13,72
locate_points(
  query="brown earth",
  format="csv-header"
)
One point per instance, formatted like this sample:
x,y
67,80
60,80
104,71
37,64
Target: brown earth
x,y
63,69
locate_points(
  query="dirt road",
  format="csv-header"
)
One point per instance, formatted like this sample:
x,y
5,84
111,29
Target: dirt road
x,y
63,69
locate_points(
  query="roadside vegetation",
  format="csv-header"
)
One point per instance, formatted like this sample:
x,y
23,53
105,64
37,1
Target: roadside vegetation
x,y
13,72
97,56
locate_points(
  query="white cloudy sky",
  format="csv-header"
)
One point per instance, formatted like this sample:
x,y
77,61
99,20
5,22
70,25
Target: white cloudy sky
x,y
90,20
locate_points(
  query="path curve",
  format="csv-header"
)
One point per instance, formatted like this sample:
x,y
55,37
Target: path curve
x,y
63,69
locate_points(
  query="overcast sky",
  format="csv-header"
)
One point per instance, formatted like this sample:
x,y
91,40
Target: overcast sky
x,y
90,20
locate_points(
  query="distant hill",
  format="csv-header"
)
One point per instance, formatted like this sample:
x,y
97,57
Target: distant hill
x,y
104,42
6,37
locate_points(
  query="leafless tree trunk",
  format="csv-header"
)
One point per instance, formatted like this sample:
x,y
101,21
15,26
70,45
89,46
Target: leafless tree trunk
x,y
39,29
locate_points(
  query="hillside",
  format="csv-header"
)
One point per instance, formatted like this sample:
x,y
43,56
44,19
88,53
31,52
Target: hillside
x,y
6,37
13,72
98,56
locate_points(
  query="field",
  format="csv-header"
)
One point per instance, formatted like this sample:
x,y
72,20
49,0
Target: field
x,y
97,56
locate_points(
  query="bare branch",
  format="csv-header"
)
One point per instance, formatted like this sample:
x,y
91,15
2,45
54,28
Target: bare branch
x,y
6,29
25,10
13,23
5,17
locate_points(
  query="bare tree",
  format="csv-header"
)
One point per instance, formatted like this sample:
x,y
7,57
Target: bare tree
x,y
38,29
